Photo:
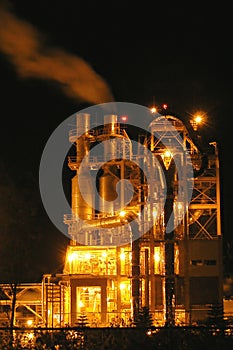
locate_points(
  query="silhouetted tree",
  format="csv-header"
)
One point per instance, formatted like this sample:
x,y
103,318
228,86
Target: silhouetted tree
x,y
82,321
144,318
22,235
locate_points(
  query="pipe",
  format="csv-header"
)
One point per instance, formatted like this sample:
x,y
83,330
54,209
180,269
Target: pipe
x,y
108,222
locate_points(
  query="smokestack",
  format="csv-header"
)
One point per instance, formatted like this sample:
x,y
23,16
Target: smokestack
x,y
83,122
110,122
82,143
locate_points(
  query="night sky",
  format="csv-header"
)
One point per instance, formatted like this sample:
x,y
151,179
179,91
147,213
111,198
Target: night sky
x,y
57,57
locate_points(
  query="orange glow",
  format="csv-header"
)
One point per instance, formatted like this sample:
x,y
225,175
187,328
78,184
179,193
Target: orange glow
x,y
167,154
122,255
167,157
122,213
153,110
198,119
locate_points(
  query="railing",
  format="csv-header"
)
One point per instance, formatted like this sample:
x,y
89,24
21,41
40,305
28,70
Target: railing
x,y
74,133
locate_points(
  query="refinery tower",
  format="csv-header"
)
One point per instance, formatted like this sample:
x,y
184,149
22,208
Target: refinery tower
x,y
151,234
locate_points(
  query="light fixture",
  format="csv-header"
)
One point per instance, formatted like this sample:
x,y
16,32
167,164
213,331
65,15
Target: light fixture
x,y
197,120
153,110
167,158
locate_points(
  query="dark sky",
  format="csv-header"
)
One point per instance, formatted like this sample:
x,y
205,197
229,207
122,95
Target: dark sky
x,y
150,52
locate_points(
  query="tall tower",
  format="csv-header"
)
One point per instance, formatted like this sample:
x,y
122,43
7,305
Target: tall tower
x,y
193,250
144,225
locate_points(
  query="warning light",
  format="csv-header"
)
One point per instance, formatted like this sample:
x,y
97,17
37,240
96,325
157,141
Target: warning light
x,y
164,106
124,118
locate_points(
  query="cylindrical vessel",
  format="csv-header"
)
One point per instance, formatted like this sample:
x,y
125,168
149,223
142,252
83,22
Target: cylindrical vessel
x,y
111,129
82,203
83,123
82,142
110,124
107,193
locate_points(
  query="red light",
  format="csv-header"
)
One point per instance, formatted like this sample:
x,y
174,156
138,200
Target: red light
x,y
164,106
124,118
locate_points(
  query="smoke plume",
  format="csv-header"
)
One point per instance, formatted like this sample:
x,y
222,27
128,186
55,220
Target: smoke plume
x,y
24,46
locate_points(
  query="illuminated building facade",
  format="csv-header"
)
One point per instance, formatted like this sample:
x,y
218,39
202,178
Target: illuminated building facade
x,y
122,255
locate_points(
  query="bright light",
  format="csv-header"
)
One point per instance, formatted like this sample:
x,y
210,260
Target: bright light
x,y
164,106
122,213
153,110
167,157
29,322
198,119
157,260
157,256
72,256
87,256
80,304
122,286
122,256
30,335
167,154
180,206
104,254
124,118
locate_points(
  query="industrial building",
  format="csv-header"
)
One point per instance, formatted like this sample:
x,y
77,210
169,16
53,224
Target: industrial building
x,y
151,235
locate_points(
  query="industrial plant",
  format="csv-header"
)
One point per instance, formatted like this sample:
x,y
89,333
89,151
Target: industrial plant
x,y
148,235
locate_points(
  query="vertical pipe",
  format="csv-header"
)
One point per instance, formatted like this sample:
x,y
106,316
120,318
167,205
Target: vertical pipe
x,y
219,233
186,244
135,269
152,270
147,278
110,130
186,253
118,281
169,248
218,190
103,303
73,299
122,190
80,207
